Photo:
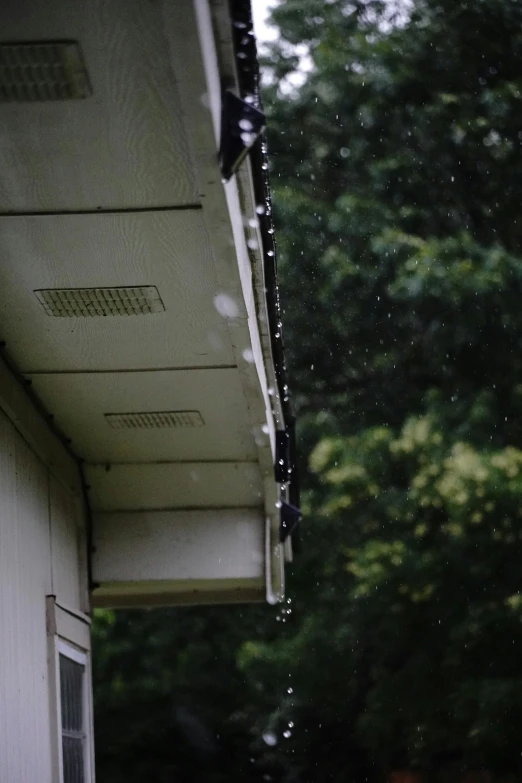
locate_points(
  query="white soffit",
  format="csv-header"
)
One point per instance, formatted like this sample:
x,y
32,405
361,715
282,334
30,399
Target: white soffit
x,y
80,402
174,485
167,250
143,143
125,145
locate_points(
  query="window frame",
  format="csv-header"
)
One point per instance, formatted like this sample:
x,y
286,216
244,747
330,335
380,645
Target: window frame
x,y
80,657
69,635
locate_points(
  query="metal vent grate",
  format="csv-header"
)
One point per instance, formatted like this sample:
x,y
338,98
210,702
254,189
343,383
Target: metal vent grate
x,y
42,71
154,420
90,302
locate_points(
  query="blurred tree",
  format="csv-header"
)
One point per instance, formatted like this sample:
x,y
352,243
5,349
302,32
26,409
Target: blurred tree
x,y
397,180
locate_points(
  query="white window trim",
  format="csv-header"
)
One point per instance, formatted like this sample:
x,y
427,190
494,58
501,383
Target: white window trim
x,y
69,635
66,649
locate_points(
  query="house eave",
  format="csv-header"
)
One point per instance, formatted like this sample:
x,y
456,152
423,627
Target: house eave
x,y
121,192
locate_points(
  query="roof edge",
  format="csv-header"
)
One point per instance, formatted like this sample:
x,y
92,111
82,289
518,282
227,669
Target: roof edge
x,y
249,83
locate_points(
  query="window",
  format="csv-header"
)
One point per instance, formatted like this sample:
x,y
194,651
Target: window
x,y
72,708
70,694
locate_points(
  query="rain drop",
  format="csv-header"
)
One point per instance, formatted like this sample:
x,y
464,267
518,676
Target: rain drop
x,y
248,138
226,306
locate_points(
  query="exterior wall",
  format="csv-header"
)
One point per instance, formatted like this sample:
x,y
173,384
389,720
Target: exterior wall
x,y
39,556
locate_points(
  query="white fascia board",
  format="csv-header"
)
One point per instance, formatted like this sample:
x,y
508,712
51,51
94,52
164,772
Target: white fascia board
x,y
267,411
237,219
151,557
144,546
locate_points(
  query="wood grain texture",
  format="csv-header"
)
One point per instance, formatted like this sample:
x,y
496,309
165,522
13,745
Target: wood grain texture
x,y
80,401
174,485
125,145
170,250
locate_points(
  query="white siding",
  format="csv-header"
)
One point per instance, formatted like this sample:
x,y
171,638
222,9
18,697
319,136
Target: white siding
x,y
26,577
64,546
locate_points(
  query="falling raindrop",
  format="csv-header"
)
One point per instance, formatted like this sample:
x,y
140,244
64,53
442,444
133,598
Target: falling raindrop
x,y
270,739
248,138
226,306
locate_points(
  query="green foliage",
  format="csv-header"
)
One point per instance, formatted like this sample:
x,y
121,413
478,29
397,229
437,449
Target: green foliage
x,y
397,180
434,564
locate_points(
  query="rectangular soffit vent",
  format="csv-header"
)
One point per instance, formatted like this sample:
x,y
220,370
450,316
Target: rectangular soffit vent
x,y
91,302
42,71
154,420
